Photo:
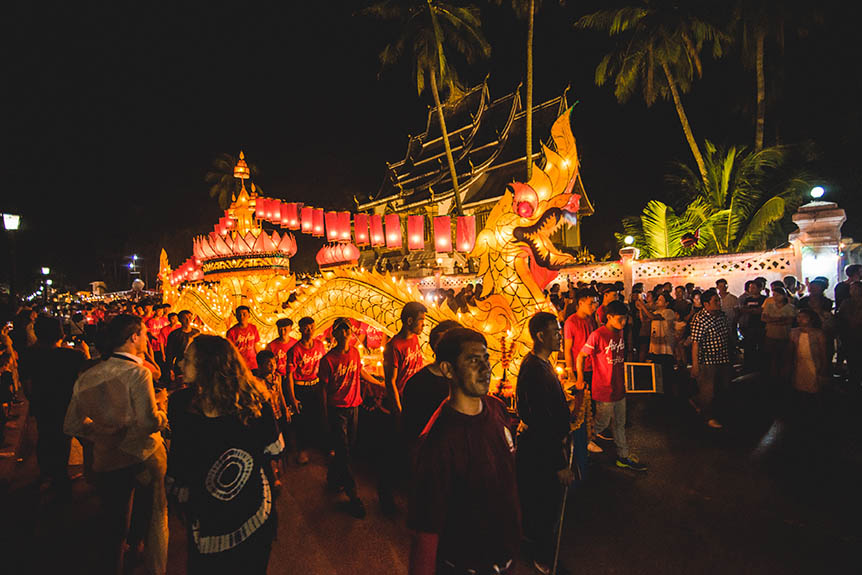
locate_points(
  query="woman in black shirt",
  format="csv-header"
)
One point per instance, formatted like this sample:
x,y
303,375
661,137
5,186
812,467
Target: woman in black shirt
x,y
223,434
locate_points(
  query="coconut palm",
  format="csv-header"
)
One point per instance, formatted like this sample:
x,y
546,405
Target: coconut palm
x,y
659,54
222,183
428,29
740,207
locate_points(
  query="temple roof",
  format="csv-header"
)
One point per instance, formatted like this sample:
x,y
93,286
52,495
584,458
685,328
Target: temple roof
x,y
487,141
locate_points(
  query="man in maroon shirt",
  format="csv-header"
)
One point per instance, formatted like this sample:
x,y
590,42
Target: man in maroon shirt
x,y
402,358
340,372
244,336
303,389
282,344
464,509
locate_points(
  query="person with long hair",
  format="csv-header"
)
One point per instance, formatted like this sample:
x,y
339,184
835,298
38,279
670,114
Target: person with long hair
x,y
223,434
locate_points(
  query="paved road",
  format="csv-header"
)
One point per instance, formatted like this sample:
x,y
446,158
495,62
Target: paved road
x,y
759,496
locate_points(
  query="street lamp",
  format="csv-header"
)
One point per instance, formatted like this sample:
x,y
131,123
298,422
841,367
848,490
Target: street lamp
x,y
11,222
628,240
46,271
817,192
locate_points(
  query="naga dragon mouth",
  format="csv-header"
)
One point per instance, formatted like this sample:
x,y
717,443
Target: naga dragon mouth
x,y
538,238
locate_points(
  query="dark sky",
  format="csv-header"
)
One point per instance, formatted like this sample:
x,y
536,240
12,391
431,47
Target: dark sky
x,y
114,111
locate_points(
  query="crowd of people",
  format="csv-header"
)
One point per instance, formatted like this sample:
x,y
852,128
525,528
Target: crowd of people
x,y
167,414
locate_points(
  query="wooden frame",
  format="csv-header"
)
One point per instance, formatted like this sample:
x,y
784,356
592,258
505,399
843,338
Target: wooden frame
x,y
632,385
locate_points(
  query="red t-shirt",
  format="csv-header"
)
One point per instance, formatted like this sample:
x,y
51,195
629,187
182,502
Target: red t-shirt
x,y
408,358
165,332
280,349
601,316
578,330
373,338
339,373
610,352
155,325
304,362
245,339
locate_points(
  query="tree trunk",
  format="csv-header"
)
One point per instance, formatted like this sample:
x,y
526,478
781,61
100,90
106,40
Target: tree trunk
x,y
529,128
446,145
760,122
686,127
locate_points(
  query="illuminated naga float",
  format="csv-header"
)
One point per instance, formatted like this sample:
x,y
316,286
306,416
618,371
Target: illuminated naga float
x,y
240,263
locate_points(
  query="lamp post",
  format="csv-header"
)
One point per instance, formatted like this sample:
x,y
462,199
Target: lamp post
x,y
11,223
46,281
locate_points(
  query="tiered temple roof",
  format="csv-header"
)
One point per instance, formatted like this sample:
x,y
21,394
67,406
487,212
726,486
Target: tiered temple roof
x,y
487,141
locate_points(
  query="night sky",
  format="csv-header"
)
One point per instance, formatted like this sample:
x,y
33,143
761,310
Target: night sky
x,y
114,111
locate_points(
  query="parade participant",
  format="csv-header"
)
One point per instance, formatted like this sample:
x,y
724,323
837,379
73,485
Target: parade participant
x,y
464,509
177,342
173,323
426,390
608,296
402,358
155,324
267,372
244,336
303,390
710,356
606,348
223,436
115,407
340,373
48,371
542,466
576,330
282,344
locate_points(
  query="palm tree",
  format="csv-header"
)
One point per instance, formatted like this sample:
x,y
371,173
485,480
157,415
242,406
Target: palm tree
x,y
740,207
222,183
426,27
661,54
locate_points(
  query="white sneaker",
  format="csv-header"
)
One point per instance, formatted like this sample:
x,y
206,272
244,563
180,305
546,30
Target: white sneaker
x,y
594,447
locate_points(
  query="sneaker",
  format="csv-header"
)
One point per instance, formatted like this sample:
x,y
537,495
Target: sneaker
x,y
631,462
593,447
605,436
714,424
356,508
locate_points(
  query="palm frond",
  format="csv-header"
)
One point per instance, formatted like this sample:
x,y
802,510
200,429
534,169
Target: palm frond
x,y
761,224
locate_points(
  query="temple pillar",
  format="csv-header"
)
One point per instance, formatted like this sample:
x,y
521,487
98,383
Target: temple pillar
x,y
816,242
628,255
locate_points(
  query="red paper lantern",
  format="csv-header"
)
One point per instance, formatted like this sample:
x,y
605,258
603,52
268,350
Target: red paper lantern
x,y
230,223
307,219
289,216
465,233
393,231
317,220
442,234
377,237
344,226
416,232
274,211
260,208
332,226
360,229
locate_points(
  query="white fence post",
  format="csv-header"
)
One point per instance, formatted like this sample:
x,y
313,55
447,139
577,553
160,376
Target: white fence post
x,y
816,243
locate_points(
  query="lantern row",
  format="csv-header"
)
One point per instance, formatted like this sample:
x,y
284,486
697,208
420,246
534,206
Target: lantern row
x,y
374,230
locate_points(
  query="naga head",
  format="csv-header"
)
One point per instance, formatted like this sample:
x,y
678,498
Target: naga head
x,y
520,226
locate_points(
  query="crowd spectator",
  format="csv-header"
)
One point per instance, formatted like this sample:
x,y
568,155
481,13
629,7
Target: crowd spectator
x,y
710,357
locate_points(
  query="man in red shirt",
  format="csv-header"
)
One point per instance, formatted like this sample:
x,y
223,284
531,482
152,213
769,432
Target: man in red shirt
x,y
303,389
576,330
282,344
606,348
244,336
464,509
154,328
340,372
402,357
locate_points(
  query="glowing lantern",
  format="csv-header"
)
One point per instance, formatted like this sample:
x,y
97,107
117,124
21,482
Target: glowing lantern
x,y
317,220
344,226
289,216
377,238
442,234
416,232
274,210
332,226
261,208
465,233
230,223
307,217
240,170
360,229
393,231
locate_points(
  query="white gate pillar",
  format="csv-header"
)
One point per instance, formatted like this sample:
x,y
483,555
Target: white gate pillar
x,y
816,242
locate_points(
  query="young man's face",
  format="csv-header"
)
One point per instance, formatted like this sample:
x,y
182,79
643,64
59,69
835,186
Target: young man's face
x,y
341,334
185,319
753,289
242,317
472,369
140,340
713,304
306,331
552,335
283,331
721,287
679,292
587,305
417,325
268,366
617,322
608,297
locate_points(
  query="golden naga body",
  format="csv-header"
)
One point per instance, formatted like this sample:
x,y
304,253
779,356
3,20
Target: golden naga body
x,y
514,249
